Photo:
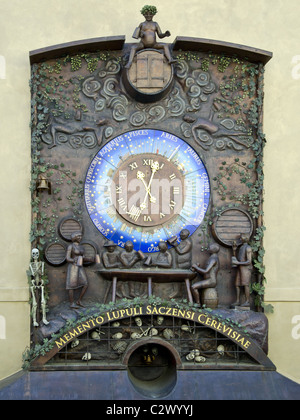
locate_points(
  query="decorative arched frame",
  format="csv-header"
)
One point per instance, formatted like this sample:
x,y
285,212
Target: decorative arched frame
x,y
225,331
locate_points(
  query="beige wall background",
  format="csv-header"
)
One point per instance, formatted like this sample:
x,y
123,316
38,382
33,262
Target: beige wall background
x,y
264,24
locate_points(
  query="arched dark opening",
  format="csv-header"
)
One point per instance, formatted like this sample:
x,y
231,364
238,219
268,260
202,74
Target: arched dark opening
x,y
152,368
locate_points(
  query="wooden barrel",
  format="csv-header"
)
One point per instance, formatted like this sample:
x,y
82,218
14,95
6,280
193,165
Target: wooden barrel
x,y
55,253
210,298
230,224
67,226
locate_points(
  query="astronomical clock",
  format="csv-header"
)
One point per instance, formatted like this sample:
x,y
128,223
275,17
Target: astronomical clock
x,y
146,186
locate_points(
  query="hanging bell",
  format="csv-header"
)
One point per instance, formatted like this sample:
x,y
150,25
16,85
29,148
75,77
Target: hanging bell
x,y
148,359
43,185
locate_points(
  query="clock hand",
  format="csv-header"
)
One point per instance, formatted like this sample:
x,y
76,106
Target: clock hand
x,y
140,175
154,168
173,153
135,212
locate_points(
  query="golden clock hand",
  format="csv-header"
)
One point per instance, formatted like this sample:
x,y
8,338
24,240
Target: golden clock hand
x,y
154,168
140,175
173,153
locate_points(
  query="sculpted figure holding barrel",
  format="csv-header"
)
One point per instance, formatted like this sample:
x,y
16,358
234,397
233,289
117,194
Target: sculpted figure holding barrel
x,y
147,32
76,276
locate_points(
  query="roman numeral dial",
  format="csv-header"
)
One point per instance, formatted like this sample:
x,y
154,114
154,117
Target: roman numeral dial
x,y
146,186
153,189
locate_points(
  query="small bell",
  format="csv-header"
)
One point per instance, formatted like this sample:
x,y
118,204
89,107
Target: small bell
x,y
44,184
148,359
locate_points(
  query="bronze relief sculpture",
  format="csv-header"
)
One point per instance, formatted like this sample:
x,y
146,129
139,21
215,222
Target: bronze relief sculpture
x,y
148,74
37,288
76,275
111,257
163,259
147,32
183,249
243,262
209,283
156,158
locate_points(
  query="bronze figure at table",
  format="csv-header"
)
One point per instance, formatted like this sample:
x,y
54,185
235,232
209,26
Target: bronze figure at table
x,y
121,267
209,283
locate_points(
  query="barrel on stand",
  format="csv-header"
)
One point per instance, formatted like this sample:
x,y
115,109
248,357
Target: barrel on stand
x,y
210,298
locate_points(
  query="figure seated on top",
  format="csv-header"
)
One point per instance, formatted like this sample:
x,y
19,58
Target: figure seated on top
x,y
147,32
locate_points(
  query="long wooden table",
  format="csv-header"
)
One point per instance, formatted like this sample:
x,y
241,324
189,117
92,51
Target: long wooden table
x,y
149,276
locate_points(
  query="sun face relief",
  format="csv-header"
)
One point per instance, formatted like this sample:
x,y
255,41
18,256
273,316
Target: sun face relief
x,y
146,186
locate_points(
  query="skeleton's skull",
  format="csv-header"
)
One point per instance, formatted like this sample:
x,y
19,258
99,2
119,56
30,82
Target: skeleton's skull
x,y
221,350
190,356
95,335
117,336
168,333
153,332
155,351
160,320
35,253
138,321
186,328
194,354
200,359
75,343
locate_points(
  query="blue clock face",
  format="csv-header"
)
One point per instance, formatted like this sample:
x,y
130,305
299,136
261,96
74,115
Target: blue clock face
x,y
145,186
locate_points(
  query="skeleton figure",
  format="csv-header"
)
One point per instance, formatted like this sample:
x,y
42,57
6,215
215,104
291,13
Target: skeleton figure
x,y
37,285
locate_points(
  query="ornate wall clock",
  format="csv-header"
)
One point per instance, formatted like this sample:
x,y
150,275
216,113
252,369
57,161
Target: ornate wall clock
x,y
146,186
